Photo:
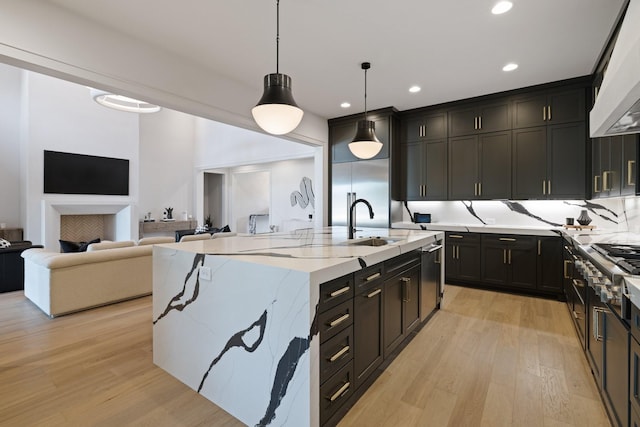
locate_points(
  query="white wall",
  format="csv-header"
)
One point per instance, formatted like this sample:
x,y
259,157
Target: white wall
x,y
10,182
61,116
166,163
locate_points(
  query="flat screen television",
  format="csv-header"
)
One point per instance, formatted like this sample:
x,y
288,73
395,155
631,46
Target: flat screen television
x,y
69,173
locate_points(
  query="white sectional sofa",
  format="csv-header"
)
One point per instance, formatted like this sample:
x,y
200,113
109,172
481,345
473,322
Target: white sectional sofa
x,y
109,272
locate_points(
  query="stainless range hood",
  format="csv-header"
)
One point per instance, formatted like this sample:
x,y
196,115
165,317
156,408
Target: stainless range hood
x,y
617,106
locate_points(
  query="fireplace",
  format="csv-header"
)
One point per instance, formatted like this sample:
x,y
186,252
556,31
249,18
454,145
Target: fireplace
x,y
85,220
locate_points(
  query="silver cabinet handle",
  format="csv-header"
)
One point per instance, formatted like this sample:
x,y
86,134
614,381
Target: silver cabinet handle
x,y
406,283
457,252
595,183
340,391
339,320
544,187
504,256
373,277
455,236
475,188
475,122
539,247
549,187
596,322
509,257
374,293
549,113
480,122
544,113
339,354
507,239
605,181
630,180
453,252
566,269
479,189
339,291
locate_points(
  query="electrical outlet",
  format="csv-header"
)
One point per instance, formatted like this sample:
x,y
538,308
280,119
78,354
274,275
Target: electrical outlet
x,y
490,221
205,273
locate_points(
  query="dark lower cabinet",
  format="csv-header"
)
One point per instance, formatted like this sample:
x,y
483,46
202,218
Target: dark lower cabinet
x,y
368,323
509,261
462,257
549,264
615,376
401,307
634,371
595,322
335,392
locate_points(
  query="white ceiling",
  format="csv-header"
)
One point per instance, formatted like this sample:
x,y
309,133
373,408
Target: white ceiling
x,y
452,49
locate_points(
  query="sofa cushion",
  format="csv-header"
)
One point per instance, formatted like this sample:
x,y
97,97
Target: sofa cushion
x,y
155,240
4,243
98,246
67,246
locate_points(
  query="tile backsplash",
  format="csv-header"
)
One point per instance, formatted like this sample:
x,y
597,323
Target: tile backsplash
x,y
619,214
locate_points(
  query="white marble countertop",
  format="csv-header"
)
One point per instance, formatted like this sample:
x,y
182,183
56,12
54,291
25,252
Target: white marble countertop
x,y
326,253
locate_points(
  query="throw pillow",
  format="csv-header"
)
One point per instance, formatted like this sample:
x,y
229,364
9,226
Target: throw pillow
x,y
67,246
4,244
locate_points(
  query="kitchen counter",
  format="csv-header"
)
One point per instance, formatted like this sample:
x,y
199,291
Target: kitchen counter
x,y
235,318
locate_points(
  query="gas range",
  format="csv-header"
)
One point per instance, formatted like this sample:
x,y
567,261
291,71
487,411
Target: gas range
x,y
623,255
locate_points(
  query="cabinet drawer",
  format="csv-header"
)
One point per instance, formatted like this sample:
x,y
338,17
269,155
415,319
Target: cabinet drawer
x,y
335,353
401,263
368,277
335,320
508,239
454,238
335,391
335,292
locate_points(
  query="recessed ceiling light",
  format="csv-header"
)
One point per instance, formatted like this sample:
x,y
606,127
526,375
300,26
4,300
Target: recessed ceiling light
x,y
501,7
345,105
414,89
510,67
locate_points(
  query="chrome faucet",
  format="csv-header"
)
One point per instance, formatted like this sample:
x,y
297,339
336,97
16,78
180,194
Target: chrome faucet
x,y
352,211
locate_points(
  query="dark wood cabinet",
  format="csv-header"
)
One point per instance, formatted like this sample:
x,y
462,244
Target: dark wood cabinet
x,y
476,118
549,162
614,166
593,339
615,376
509,261
368,307
550,264
634,372
549,107
480,166
425,126
462,257
425,170
401,300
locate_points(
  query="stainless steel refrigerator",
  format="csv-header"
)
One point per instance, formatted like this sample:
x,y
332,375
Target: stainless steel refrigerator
x,y
367,179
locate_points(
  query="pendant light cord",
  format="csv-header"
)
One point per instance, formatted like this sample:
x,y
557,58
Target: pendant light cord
x,y
365,94
277,36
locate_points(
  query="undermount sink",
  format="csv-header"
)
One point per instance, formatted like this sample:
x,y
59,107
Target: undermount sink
x,y
370,241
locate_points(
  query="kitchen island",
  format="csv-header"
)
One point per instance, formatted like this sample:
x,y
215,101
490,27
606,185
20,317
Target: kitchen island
x,y
236,318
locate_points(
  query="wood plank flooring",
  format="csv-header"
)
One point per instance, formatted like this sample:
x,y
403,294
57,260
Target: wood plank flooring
x,y
485,359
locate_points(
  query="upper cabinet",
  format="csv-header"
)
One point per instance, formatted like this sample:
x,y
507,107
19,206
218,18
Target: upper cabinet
x,y
549,107
425,126
480,118
613,166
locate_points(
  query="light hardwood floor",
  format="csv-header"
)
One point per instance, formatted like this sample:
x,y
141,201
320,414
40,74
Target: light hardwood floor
x,y
485,359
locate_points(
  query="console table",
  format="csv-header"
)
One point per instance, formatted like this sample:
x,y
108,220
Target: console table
x,y
167,227
11,234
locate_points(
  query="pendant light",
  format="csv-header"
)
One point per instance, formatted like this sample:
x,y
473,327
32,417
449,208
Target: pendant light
x,y
277,112
365,144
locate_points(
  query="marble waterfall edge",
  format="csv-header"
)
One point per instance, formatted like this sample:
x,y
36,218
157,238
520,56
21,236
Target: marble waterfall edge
x,y
242,339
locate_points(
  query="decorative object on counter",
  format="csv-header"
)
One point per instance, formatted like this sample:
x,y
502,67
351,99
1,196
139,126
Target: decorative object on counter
x,y
584,218
569,221
207,221
148,217
365,144
305,196
169,213
277,111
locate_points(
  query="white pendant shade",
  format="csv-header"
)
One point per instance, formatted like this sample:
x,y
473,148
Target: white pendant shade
x,y
365,149
277,119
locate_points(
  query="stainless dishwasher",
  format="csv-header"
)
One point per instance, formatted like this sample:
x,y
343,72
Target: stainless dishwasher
x,y
431,289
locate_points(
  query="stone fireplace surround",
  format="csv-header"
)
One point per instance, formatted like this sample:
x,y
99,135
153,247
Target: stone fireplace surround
x,y
119,219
